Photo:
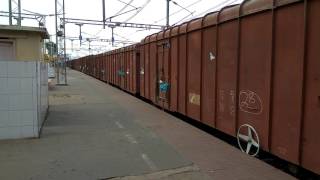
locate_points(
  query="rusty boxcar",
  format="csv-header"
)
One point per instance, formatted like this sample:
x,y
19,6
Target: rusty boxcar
x,y
250,70
253,66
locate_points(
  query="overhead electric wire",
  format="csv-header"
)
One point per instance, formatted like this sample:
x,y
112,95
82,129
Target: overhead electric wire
x,y
176,12
116,15
219,6
128,4
121,36
184,18
138,11
175,3
119,13
124,7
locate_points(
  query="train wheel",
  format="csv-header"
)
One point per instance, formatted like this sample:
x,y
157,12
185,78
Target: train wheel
x,y
248,140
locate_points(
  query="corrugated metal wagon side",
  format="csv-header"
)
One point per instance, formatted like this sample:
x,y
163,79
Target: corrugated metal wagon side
x,y
227,69
162,70
182,69
142,68
147,68
174,60
152,68
310,141
255,57
254,65
209,65
193,84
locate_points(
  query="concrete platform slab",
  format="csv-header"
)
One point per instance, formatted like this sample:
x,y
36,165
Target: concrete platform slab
x,y
95,131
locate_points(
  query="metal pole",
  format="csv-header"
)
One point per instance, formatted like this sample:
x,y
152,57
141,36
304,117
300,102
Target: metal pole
x,y
80,33
168,4
64,46
89,47
19,12
10,12
103,14
72,45
112,37
57,46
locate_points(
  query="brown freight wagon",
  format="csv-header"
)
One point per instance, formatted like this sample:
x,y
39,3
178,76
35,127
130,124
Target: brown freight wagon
x,y
111,61
103,64
96,66
114,67
249,68
131,68
144,68
108,65
117,67
86,65
102,67
89,62
121,69
124,64
99,67
115,62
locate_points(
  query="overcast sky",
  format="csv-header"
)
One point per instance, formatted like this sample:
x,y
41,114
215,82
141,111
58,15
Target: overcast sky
x,y
154,12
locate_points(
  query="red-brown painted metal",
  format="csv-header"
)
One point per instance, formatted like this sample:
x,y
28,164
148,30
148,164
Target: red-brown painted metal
x,y
147,68
254,71
160,75
135,69
182,69
107,68
113,68
310,141
166,101
142,68
118,68
109,65
287,82
174,60
103,65
194,47
153,68
162,68
122,68
227,70
256,63
127,69
208,72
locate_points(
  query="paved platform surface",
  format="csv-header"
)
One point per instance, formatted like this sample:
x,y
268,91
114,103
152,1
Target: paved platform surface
x,y
95,131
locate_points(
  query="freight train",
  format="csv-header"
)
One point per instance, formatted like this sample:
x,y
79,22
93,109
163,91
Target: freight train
x,y
250,70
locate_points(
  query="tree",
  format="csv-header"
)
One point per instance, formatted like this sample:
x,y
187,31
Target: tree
x,y
51,48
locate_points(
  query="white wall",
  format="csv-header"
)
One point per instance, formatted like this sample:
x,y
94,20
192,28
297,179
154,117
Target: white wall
x,y
43,101
21,112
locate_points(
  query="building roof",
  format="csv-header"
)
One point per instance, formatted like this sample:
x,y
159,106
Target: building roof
x,y
42,31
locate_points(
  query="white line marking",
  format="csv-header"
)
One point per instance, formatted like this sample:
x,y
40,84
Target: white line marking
x,y
120,126
149,162
131,139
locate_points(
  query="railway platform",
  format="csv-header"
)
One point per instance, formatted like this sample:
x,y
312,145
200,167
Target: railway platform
x,y
95,131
